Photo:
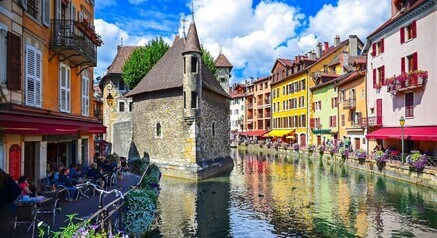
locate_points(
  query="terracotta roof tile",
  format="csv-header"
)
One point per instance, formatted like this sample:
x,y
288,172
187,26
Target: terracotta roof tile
x,y
123,53
286,62
168,73
222,62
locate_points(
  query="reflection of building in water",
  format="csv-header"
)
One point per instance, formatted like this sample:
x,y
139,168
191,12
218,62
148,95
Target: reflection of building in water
x,y
195,209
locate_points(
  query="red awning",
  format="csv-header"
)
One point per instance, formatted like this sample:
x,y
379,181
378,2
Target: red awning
x,y
423,133
18,124
254,133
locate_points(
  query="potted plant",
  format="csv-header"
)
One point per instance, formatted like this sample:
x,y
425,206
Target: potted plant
x,y
361,155
344,153
321,149
332,150
401,80
391,84
311,149
381,159
296,147
421,76
417,161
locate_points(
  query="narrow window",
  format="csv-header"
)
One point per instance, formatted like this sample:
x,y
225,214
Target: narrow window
x,y
193,99
185,65
193,64
131,106
409,105
121,106
158,129
121,85
213,128
185,100
85,93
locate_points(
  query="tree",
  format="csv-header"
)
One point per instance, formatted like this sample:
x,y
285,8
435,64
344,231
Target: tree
x,y
142,60
208,60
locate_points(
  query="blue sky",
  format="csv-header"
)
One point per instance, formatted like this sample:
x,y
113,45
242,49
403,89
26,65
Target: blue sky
x,y
252,34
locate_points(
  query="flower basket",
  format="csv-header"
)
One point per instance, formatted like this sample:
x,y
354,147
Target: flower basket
x,y
361,155
381,159
417,162
296,147
344,153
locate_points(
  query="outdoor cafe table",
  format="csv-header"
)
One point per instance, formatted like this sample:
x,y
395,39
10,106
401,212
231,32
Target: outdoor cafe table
x,y
32,200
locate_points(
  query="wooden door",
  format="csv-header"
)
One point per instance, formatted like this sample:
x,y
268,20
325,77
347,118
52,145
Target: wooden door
x,y
357,143
379,111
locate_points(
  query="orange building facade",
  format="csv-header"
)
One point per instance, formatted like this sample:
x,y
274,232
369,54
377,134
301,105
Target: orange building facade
x,y
258,107
46,108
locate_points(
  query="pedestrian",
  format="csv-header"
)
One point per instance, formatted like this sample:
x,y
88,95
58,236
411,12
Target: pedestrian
x,y
9,191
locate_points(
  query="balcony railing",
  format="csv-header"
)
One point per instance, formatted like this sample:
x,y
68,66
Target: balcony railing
x,y
410,82
349,104
370,121
67,40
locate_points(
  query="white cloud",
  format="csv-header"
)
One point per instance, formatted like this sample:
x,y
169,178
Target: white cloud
x,y
348,17
136,2
251,38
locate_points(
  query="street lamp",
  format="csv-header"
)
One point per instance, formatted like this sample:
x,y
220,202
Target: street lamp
x,y
110,99
402,123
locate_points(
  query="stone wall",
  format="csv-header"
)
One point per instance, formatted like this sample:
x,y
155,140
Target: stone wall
x,y
215,109
166,109
122,137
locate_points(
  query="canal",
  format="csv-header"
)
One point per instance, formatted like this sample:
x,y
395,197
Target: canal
x,y
280,196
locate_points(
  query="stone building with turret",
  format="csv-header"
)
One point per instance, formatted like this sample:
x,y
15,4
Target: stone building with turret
x,y
224,68
181,114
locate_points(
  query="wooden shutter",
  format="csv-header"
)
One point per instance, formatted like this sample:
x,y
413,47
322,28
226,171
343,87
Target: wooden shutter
x,y
382,79
30,75
334,120
415,63
402,64
38,78
63,91
343,120
373,49
45,12
320,104
313,106
311,122
413,29
374,78
402,33
13,61
382,45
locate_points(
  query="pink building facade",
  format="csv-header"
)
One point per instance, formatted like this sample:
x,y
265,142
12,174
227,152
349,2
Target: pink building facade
x,y
402,78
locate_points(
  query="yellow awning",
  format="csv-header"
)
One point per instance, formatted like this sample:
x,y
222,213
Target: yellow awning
x,y
280,133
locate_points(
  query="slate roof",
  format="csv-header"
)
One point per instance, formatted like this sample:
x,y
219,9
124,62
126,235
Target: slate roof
x,y
222,62
123,53
192,44
169,70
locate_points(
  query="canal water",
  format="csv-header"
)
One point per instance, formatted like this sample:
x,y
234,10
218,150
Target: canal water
x,y
287,196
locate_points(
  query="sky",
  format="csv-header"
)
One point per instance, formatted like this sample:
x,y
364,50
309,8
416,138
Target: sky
x,y
251,33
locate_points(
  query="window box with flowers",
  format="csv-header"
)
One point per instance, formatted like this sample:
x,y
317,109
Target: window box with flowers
x,y
391,84
418,77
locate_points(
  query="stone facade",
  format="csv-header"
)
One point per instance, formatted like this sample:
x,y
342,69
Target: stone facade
x,y
182,150
122,137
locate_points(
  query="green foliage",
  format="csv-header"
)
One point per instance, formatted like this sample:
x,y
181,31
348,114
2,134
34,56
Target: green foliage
x,y
415,156
137,166
142,60
208,60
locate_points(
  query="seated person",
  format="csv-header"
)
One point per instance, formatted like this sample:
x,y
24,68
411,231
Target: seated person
x,y
65,181
74,172
123,162
95,173
56,175
24,185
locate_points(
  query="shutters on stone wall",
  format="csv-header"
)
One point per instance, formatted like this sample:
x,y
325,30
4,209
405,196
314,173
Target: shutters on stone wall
x,y
14,61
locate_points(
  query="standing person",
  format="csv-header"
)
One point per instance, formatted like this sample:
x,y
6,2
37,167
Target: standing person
x,y
9,191
24,185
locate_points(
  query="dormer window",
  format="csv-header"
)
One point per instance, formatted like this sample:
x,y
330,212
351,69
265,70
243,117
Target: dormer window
x,y
194,64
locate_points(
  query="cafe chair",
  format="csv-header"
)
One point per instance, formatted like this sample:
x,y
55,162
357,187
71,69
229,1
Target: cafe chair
x,y
26,214
50,207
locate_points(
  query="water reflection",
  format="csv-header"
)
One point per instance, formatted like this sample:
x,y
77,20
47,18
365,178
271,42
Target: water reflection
x,y
275,195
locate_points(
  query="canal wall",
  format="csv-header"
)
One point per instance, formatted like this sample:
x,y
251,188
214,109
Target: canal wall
x,y
398,171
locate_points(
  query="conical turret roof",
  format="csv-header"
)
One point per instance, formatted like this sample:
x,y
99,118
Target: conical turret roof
x,y
192,44
222,62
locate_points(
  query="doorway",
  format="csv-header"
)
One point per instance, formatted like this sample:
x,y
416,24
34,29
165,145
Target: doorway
x,y
357,143
29,160
59,154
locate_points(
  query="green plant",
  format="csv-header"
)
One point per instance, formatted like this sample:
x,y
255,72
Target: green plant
x,y
208,60
137,166
141,61
140,214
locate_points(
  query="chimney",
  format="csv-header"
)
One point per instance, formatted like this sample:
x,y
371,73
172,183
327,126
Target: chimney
x,y
353,45
336,40
319,50
325,45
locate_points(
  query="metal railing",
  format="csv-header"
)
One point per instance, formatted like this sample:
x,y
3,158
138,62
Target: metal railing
x,y
370,121
349,104
65,34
